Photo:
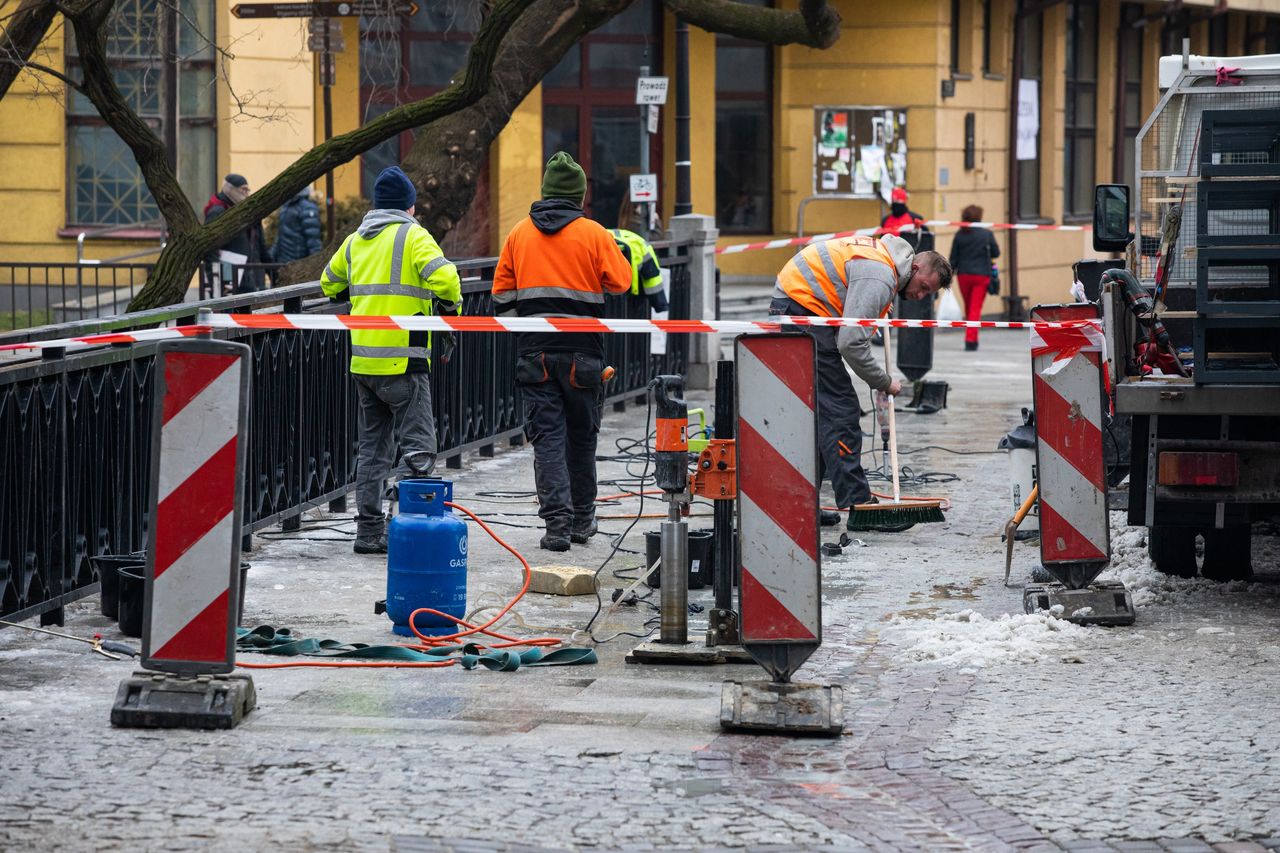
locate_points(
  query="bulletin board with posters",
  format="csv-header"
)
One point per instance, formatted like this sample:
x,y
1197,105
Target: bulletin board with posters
x,y
859,152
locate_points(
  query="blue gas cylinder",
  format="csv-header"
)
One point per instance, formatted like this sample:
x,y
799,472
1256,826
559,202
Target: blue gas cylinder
x,y
426,559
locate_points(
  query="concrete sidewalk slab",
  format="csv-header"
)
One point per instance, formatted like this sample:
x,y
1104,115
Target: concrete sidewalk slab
x,y
969,725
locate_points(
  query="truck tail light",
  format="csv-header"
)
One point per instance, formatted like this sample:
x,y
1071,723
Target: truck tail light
x,y
1213,470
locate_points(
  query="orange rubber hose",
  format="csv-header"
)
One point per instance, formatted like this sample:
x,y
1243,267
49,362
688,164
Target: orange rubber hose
x,y
430,642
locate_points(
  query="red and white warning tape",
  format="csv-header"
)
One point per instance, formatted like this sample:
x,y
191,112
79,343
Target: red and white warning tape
x,y
416,323
136,336
868,232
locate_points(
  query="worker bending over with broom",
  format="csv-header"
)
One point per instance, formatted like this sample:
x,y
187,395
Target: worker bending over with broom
x,y
857,277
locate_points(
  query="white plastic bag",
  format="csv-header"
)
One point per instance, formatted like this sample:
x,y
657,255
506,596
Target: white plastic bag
x,y
949,307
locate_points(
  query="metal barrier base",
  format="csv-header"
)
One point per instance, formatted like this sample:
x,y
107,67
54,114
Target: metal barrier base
x,y
157,700
689,654
770,706
1101,603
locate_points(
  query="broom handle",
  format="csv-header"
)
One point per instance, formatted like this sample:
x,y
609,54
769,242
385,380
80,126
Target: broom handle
x,y
893,429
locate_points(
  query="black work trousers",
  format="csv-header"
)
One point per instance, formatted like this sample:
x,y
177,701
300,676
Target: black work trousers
x,y
839,412
563,405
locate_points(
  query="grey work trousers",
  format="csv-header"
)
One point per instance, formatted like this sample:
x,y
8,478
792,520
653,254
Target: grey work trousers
x,y
393,410
839,412
562,414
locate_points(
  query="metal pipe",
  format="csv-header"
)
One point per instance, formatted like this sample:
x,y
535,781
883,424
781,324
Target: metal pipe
x,y
722,524
1015,201
674,626
684,189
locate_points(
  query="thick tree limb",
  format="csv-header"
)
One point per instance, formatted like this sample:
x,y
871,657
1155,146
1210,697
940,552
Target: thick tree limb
x,y
22,35
816,24
447,156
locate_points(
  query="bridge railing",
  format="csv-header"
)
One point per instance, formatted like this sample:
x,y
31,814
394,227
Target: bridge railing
x,y
73,465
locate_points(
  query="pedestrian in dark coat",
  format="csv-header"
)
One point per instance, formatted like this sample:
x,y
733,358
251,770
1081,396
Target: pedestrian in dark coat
x,y
297,229
250,242
973,252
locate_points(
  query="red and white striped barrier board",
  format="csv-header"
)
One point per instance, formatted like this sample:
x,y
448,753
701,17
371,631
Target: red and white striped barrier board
x,y
416,323
1067,386
197,479
781,593
784,242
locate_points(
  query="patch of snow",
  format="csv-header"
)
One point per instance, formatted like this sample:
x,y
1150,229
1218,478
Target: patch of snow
x,y
969,639
1131,565
1081,612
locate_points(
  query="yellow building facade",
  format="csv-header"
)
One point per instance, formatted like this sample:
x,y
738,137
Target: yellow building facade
x,y
945,65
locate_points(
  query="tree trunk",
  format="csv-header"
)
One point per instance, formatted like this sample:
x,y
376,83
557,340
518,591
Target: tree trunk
x,y
190,241
22,35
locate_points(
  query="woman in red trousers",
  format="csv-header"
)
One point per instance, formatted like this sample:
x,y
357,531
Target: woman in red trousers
x,y
972,253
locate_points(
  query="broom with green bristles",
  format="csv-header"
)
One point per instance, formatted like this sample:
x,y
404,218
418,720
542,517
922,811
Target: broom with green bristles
x,y
900,514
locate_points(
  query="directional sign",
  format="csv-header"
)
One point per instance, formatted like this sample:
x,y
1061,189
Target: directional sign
x,y
350,9
651,90
644,188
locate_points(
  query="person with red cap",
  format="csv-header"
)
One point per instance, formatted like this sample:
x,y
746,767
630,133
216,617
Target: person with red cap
x,y
899,216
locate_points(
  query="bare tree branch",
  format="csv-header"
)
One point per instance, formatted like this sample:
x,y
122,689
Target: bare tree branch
x,y
57,75
816,24
22,34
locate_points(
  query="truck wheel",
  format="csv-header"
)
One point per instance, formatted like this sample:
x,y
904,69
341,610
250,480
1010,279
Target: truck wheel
x,y
1173,549
1228,554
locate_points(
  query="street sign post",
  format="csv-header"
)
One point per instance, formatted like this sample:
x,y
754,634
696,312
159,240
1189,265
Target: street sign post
x,y
350,9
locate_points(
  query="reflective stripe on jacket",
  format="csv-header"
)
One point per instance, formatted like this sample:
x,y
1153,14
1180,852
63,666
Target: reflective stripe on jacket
x,y
391,266
559,264
816,277
645,271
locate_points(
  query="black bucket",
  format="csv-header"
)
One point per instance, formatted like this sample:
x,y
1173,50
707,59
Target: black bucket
x,y
108,567
652,554
702,558
244,578
133,585
701,564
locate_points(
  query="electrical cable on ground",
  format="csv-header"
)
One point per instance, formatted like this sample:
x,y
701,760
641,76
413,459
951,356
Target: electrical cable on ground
x,y
648,456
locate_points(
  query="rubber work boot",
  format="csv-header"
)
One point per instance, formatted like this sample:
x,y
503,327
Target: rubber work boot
x,y
581,531
371,544
828,518
421,463
555,539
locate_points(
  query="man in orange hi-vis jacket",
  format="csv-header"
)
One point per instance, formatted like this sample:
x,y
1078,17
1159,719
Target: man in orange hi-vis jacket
x,y
558,263
856,277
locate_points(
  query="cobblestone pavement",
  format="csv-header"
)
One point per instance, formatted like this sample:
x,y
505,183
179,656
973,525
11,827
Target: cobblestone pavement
x,y
966,728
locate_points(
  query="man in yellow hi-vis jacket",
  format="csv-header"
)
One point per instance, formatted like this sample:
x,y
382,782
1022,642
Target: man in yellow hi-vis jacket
x,y
646,275
391,265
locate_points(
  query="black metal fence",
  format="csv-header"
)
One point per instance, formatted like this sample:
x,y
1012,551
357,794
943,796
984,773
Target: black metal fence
x,y
76,427
34,294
